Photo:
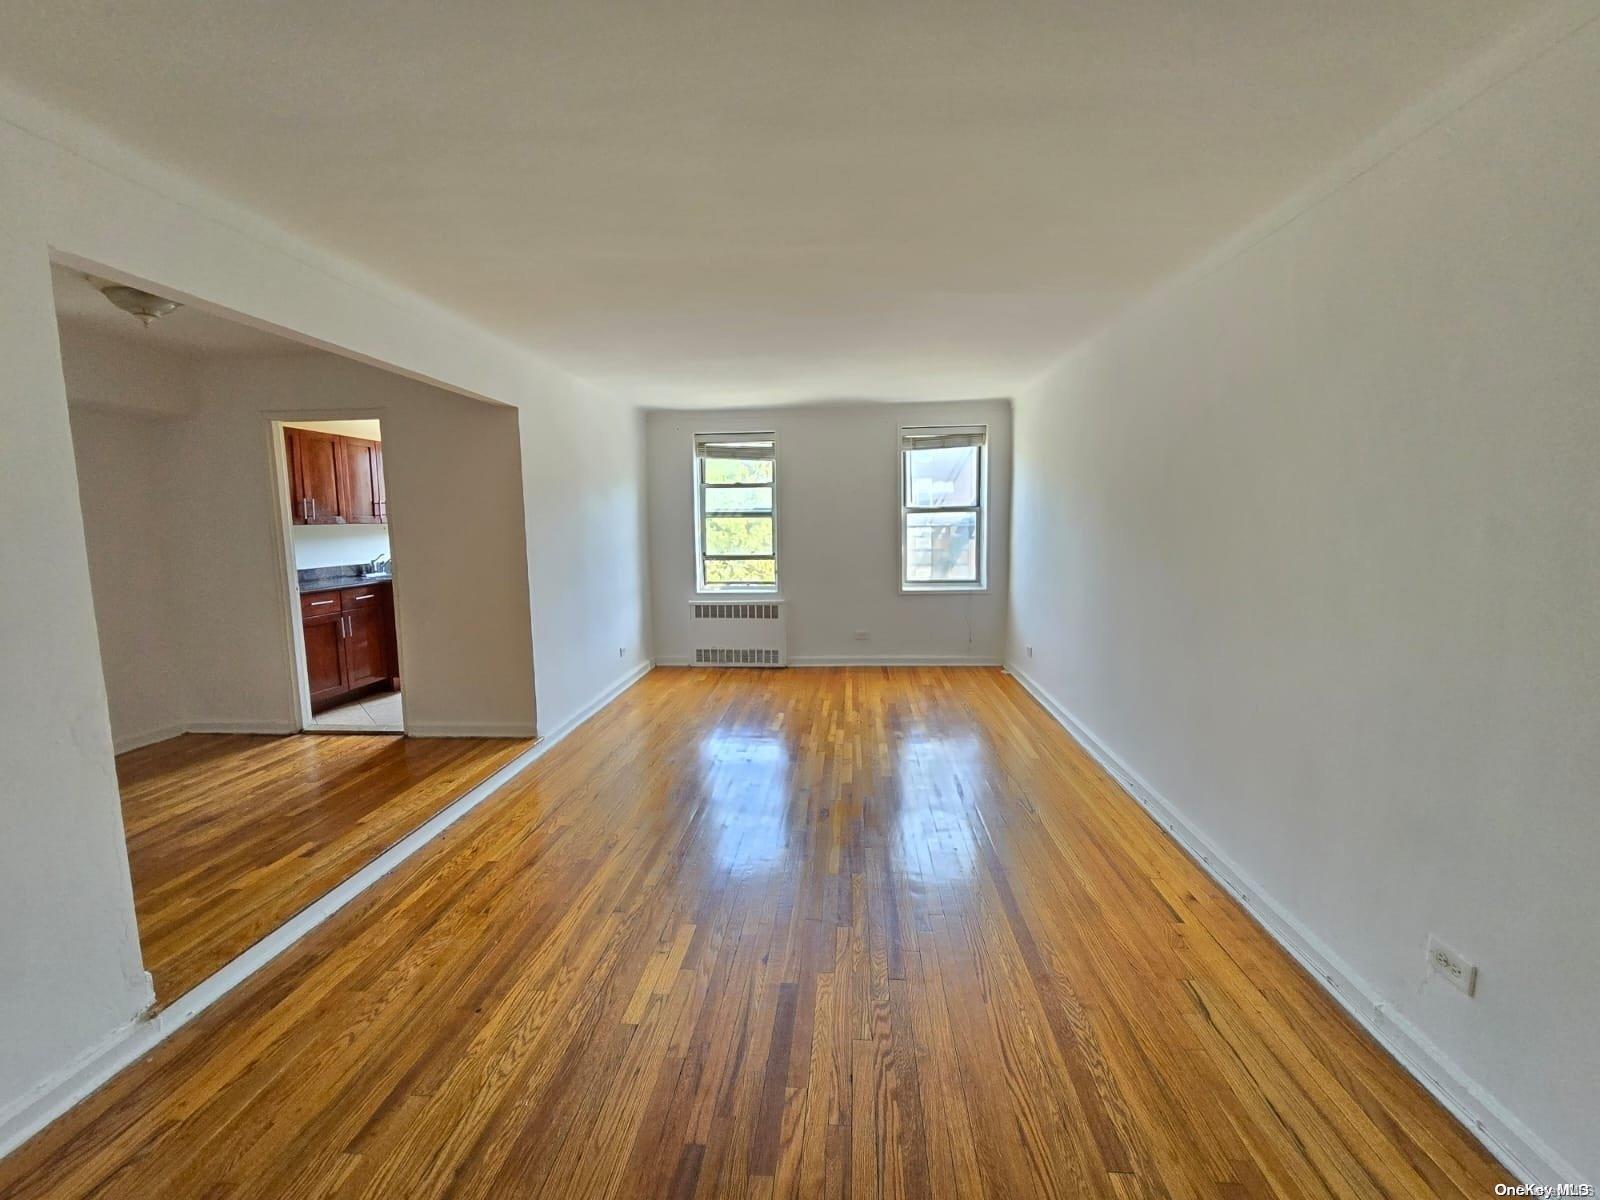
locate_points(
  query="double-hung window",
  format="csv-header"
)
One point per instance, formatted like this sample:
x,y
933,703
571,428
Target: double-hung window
x,y
736,519
943,509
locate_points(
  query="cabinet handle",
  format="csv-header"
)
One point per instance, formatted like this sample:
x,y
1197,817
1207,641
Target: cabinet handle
x,y
314,603
365,596
312,501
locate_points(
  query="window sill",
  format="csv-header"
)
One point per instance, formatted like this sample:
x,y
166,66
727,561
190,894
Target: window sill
x,y
943,589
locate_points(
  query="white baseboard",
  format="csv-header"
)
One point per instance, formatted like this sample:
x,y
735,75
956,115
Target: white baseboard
x,y
125,1045
1516,1146
864,660
607,694
892,660
462,729
270,727
137,741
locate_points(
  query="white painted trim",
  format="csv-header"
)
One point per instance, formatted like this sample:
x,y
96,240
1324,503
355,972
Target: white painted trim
x,y
124,1046
241,727
606,696
137,741
892,660
391,730
450,729
1522,1151
864,660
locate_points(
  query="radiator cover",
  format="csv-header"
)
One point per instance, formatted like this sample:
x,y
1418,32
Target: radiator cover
x,y
738,633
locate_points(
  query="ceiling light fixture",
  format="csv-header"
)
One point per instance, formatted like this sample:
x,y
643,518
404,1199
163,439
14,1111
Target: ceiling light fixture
x,y
146,306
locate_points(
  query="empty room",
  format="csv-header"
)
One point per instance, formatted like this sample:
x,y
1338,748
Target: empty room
x,y
800,600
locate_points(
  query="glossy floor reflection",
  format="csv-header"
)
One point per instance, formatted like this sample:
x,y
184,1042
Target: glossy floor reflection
x,y
230,835
785,933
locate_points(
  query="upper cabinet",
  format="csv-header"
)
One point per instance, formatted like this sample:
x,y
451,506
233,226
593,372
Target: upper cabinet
x,y
315,471
335,480
363,481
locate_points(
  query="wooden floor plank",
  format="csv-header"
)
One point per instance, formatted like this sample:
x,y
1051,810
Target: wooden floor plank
x,y
229,835
837,932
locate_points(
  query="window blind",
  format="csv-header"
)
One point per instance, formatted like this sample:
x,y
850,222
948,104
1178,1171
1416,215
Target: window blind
x,y
734,447
942,439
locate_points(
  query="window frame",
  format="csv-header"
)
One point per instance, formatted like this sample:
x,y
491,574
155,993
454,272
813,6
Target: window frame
x,y
981,509
697,468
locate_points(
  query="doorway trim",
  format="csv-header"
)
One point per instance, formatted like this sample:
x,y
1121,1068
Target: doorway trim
x,y
294,641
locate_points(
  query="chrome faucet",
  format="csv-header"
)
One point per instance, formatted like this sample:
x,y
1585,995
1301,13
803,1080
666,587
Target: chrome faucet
x,y
379,565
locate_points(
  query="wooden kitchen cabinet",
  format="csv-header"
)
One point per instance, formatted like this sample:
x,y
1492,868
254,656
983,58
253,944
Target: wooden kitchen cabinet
x,y
316,473
350,642
366,648
334,480
325,669
363,481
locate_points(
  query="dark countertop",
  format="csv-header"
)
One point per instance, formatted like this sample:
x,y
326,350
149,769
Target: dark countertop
x,y
342,581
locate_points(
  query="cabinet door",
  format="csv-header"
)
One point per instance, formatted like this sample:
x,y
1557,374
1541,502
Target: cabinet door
x,y
366,645
383,488
317,470
291,459
363,481
327,677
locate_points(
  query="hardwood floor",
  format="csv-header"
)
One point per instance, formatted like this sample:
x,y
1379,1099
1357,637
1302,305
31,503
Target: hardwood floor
x,y
791,933
230,835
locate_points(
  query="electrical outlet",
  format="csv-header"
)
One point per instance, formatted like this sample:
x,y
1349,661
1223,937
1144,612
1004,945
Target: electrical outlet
x,y
622,651
1030,651
1452,966
862,635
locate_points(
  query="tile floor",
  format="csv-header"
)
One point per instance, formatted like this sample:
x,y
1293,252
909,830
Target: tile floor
x,y
381,712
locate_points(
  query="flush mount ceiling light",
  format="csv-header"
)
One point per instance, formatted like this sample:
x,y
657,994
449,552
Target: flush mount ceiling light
x,y
146,306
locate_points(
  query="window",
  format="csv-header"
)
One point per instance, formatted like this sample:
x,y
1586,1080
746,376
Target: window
x,y
943,519
736,526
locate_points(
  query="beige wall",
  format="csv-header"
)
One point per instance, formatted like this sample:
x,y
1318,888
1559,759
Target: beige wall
x,y
1311,541
191,594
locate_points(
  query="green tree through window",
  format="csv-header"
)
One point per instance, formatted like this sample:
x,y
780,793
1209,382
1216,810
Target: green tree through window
x,y
736,486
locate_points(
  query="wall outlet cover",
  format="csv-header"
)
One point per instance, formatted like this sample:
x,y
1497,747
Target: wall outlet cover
x,y
1453,966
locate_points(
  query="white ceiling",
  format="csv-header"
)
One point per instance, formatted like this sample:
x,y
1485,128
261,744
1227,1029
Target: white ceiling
x,y
718,202
187,331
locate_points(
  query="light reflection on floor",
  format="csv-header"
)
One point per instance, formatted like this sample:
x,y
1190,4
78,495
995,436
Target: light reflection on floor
x,y
747,795
921,815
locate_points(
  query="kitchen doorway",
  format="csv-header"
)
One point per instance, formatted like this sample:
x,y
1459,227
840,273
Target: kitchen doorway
x,y
336,522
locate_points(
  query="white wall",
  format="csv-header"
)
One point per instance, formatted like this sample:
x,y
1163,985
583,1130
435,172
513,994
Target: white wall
x,y
67,933
583,485
72,972
838,533
124,373
1311,541
338,545
125,483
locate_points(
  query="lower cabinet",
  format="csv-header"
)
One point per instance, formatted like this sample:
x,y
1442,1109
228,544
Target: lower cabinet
x,y
325,674
366,652
350,642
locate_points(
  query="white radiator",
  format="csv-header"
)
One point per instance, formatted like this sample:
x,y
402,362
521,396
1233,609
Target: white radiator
x,y
738,633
